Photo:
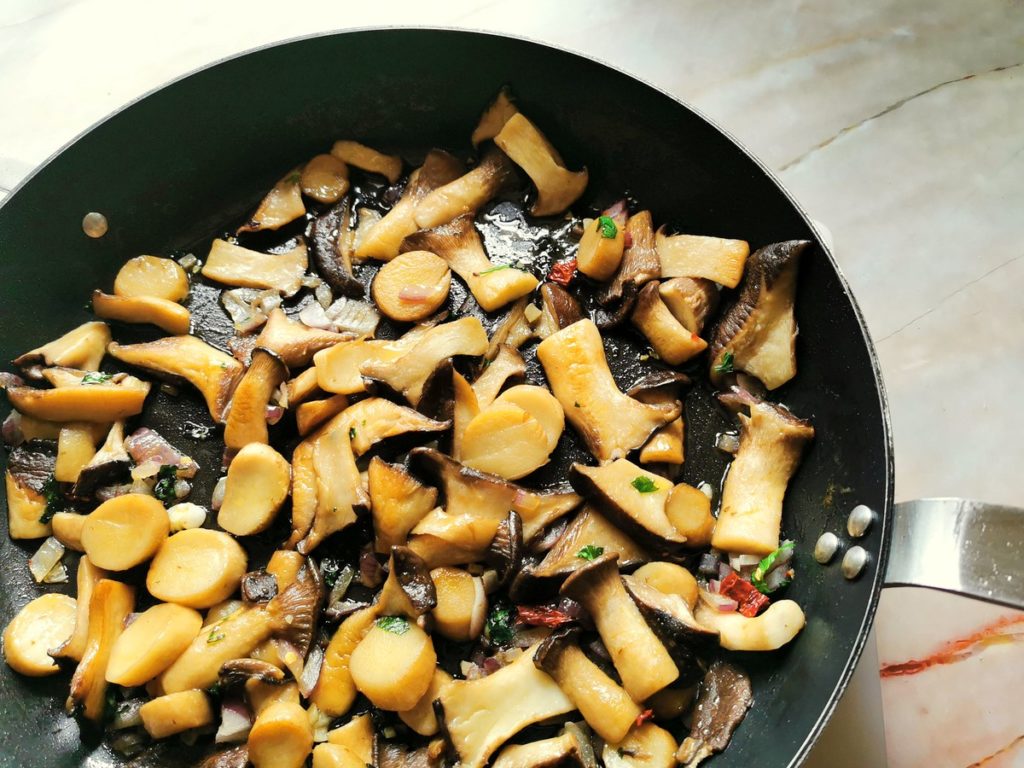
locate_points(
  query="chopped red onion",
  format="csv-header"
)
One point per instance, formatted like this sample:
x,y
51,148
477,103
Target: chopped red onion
x,y
8,380
323,295
715,586
720,603
147,447
11,429
235,722
744,563
218,494
311,671
314,316
724,569
414,294
274,414
371,574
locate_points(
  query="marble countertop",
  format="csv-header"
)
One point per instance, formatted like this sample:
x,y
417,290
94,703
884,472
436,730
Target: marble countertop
x,y
898,124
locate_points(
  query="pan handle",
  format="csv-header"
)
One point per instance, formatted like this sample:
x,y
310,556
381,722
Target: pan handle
x,y
957,545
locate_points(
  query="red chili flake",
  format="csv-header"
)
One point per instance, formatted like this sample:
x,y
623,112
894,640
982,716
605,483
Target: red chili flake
x,y
643,717
627,240
694,338
750,601
542,616
563,272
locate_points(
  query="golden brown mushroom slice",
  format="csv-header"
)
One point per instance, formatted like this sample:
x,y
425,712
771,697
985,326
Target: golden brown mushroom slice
x,y
293,341
476,727
603,242
26,506
639,265
311,415
465,407
757,334
110,463
494,117
234,265
398,501
611,423
337,367
212,372
646,746
669,338
154,276
44,622
247,419
338,486
458,243
95,398
559,309
513,330
713,258
546,753
76,446
772,441
466,194
557,186
691,300
82,347
412,286
769,631
282,205
86,579
369,421
164,314
666,445
324,178
368,159
507,365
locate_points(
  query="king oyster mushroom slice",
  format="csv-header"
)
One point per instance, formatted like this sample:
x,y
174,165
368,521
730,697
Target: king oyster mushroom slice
x,y
772,441
282,205
110,464
82,347
610,423
513,331
238,671
669,338
234,265
324,178
768,631
29,468
476,727
81,399
339,489
369,421
725,696
757,334
147,445
494,117
505,553
547,753
368,159
294,342
507,364
639,265
398,501
247,418
642,661
167,315
646,746
212,372
337,368
559,309
459,244
235,757
691,300
466,194
331,256
712,258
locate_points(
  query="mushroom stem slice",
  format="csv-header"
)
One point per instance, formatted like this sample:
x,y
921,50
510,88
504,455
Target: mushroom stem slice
x,y
247,419
639,265
712,258
559,309
646,746
465,194
507,364
339,487
282,205
611,423
758,333
669,338
234,265
494,117
465,407
164,314
546,753
722,704
337,368
82,347
666,445
95,402
303,492
109,463
772,441
557,187
369,421
691,300
778,625
324,178
368,159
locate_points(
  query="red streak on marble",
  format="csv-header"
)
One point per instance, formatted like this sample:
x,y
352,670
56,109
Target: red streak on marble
x,y
987,760
958,650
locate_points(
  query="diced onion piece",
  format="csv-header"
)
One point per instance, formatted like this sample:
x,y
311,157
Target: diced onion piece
x,y
719,602
186,515
235,722
46,558
218,494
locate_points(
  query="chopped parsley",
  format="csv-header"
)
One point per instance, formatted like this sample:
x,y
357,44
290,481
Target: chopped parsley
x,y
590,552
396,625
166,478
351,433
494,269
293,178
726,366
769,563
54,499
330,569
214,637
498,627
643,484
607,226
96,377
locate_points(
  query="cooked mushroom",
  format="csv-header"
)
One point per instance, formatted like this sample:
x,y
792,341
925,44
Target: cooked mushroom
x,y
557,187
324,178
507,364
209,370
772,441
42,623
238,671
86,579
396,755
98,398
339,491
725,696
643,663
666,445
281,735
76,445
494,117
465,194
282,205
673,343
546,753
512,331
780,623
369,421
757,334
295,342
422,718
257,486
398,502
164,314
29,468
236,757
367,159
689,511
247,419
465,407
384,237
302,387
669,578
639,265
394,663
559,309
691,300
505,552
713,258
108,465
476,727
67,529
330,234
110,604
151,276
258,586
358,736
646,746
412,286
541,405
82,348
611,423
234,265
604,704
505,440
604,238
303,492
407,374
458,243
337,368
309,416
634,499
146,445
461,604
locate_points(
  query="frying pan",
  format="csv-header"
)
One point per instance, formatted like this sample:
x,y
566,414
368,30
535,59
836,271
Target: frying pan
x,y
170,169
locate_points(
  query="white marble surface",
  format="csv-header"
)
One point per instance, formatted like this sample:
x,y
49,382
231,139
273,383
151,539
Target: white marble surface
x,y
900,124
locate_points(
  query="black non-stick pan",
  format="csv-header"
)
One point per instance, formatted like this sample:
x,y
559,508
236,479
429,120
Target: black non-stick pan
x,y
169,170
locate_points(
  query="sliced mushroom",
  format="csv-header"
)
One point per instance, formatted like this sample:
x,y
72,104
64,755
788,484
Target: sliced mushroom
x,y
513,330
209,370
110,463
325,178
337,368
546,753
167,315
757,334
412,286
294,342
604,704
302,387
369,421
505,440
646,746
611,423
691,300
398,502
258,587
82,348
725,696
477,728
461,604
557,187
67,529
689,511
105,400
367,159
633,498
238,671
769,631
639,265
86,579
357,735
494,117
772,441
309,416
257,486
457,242
507,364
282,205
383,238
713,258
234,265
505,552
332,253
76,445
669,578
643,663
669,338
25,508
603,241
559,309
152,276
338,487
465,407
303,492
407,374
422,718
666,445
465,194
247,419
236,757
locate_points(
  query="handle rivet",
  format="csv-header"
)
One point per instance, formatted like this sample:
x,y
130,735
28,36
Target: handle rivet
x,y
859,521
854,561
826,546
94,224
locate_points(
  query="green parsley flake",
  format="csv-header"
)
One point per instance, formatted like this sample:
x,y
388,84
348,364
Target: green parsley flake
x,y
54,499
590,552
96,377
166,479
494,269
498,627
214,637
396,625
643,484
726,366
607,226
294,177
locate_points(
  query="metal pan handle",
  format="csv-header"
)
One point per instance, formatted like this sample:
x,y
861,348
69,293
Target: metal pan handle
x,y
956,545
